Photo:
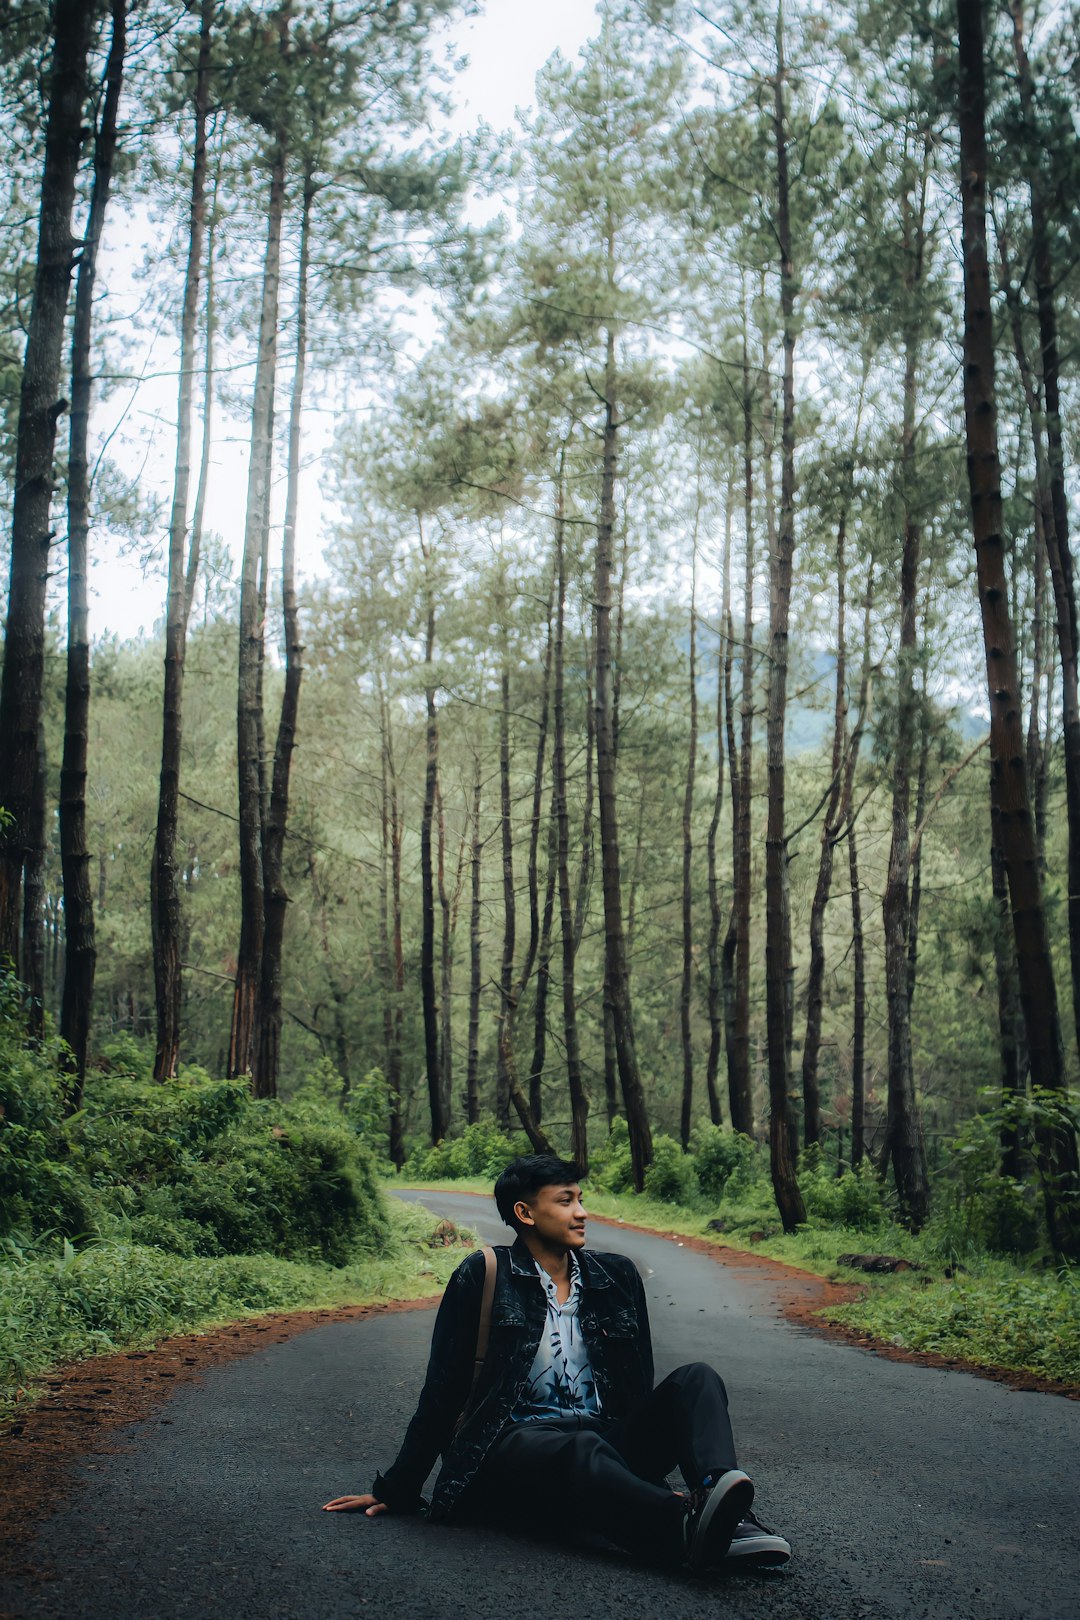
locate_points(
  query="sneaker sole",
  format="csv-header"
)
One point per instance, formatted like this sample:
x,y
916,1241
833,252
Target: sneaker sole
x,y
729,1501
770,1552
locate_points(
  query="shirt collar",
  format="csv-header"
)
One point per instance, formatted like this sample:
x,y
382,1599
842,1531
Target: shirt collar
x,y
549,1285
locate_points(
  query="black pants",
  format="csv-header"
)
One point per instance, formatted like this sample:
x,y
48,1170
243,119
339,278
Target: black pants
x,y
607,1476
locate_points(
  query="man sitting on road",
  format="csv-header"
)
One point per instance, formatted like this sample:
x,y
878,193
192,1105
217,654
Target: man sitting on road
x,y
562,1424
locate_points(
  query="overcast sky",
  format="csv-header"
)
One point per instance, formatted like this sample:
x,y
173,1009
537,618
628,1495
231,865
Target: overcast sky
x,y
506,45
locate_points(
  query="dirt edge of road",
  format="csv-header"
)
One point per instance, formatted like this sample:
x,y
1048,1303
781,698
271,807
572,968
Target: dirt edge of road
x,y
86,1400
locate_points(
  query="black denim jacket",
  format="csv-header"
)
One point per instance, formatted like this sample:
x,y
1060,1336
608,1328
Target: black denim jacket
x,y
614,1324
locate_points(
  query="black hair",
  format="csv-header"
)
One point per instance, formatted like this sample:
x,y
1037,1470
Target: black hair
x,y
524,1177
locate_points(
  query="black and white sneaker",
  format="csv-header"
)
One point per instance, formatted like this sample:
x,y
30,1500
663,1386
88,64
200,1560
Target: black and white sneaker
x,y
753,1544
713,1515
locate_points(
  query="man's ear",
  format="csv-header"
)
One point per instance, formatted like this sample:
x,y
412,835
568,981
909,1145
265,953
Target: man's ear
x,y
523,1213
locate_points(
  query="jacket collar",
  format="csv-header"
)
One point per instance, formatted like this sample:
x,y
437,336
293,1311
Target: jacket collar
x,y
594,1273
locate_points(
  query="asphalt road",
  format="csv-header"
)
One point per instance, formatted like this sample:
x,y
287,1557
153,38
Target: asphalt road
x,y
905,1491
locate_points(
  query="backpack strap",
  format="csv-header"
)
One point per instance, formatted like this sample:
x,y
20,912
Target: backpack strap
x,y
483,1326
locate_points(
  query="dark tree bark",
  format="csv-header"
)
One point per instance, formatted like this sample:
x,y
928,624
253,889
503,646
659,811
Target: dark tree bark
x,y
579,1102
1038,749
916,855
830,829
739,1094
1012,1079
847,819
449,899
778,1010
439,1118
585,870
504,1064
446,956
251,765
1057,529
80,952
721,995
385,968
39,410
266,1050
686,991
33,929
1010,806
511,987
617,975
165,916
904,1143
394,981
472,1073
543,973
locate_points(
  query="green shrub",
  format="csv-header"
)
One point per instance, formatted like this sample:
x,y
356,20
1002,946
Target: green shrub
x,y
301,1190
718,1154
481,1150
39,1190
671,1176
852,1199
611,1168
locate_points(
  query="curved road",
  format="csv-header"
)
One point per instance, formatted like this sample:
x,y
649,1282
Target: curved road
x,y
905,1491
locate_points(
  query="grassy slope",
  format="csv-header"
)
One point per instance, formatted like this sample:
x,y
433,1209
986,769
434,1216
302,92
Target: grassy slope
x,y
995,1313
117,1296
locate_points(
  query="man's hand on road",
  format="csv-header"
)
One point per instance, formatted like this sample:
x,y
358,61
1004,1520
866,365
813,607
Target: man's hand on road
x,y
356,1504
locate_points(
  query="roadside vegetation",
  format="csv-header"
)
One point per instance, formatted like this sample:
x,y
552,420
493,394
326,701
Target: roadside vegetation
x,y
983,1285
153,1209
161,1209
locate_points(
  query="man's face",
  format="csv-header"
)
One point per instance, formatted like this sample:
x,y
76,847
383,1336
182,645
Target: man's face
x,y
555,1215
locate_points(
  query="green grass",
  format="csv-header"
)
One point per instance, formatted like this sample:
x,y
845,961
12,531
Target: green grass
x,y
996,1317
116,1295
993,1312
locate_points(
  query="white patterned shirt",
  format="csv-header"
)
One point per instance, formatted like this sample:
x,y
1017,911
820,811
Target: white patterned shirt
x,y
560,1381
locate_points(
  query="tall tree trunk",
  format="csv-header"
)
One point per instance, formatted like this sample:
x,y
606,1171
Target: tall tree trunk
x,y
830,828
858,1006
448,905
396,979
33,920
165,916
916,858
446,956
504,1065
1057,531
507,1084
439,1119
617,975
686,991
904,1142
543,973
740,1098
579,1102
777,911
251,764
721,998
585,870
266,1054
1012,1079
846,818
1038,751
80,953
472,1073
39,409
385,959
198,519
1010,807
